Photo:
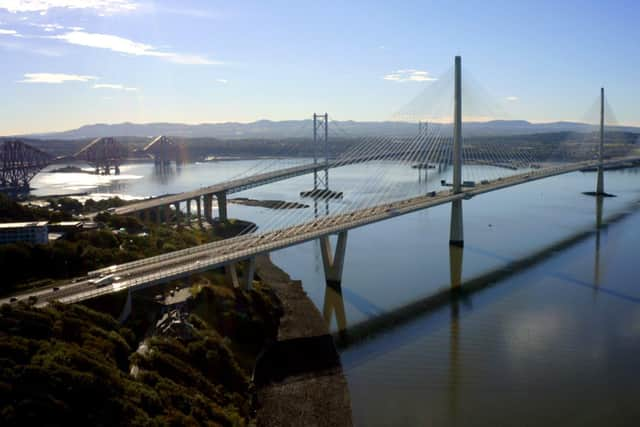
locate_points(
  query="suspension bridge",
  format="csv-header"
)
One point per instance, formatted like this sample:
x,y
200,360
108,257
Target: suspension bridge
x,y
429,149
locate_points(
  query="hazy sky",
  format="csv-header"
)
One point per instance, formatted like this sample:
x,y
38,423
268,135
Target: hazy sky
x,y
66,63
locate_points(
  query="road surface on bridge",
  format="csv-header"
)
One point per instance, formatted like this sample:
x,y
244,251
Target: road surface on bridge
x,y
180,264
241,184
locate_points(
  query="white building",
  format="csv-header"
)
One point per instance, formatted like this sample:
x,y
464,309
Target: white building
x,y
30,232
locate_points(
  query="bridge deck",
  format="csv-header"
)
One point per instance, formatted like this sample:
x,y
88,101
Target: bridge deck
x,y
183,263
242,184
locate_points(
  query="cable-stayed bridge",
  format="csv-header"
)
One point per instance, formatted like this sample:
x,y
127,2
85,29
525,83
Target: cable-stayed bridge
x,y
429,150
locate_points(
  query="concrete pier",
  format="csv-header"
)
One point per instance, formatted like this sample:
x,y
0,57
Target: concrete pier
x,y
232,275
207,199
177,208
600,179
456,233
222,206
249,274
333,262
126,310
199,211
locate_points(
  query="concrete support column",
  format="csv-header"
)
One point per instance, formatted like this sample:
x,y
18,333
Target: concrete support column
x,y
232,275
159,214
456,233
126,310
333,262
199,210
167,213
456,236
249,274
177,208
221,197
600,182
189,211
455,266
207,198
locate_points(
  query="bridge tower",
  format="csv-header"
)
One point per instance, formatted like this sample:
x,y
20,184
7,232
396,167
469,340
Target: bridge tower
x,y
600,179
321,122
456,236
320,180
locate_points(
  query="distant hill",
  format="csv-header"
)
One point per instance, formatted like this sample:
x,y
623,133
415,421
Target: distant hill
x,y
302,129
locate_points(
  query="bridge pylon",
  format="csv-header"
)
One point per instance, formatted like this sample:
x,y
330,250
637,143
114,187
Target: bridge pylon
x,y
600,179
333,262
321,180
456,236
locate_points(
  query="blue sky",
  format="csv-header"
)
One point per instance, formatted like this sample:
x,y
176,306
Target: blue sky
x,y
72,62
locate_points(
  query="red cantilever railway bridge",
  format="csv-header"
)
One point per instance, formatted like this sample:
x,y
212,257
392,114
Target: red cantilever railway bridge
x,y
19,163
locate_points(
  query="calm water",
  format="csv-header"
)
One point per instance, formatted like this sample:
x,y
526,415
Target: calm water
x,y
547,331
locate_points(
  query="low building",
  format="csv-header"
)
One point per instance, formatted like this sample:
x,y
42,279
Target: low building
x,y
29,232
65,226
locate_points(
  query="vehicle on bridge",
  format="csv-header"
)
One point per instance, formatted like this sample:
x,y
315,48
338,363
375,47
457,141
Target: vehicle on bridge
x,y
103,281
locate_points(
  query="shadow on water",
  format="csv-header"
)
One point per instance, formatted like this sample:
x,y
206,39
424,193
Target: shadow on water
x,y
459,293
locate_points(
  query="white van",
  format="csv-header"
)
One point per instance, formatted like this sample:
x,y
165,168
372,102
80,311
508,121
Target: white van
x,y
102,281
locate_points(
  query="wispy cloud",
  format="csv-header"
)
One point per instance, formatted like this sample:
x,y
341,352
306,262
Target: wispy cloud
x,y
4,32
129,47
512,98
115,87
409,75
48,27
223,81
16,46
183,10
43,6
55,78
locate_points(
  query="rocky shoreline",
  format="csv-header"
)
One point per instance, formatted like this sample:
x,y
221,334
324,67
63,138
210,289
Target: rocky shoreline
x,y
299,378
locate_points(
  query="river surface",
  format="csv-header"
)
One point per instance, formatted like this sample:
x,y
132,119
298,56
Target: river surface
x,y
542,326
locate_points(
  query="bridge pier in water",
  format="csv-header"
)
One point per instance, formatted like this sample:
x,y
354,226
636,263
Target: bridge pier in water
x,y
456,236
333,262
600,179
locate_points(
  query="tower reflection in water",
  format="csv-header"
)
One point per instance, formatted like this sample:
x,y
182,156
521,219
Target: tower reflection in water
x,y
334,306
163,172
599,225
455,268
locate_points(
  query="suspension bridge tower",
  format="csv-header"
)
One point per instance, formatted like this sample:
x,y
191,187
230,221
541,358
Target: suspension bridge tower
x,y
321,189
